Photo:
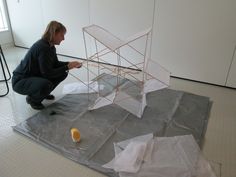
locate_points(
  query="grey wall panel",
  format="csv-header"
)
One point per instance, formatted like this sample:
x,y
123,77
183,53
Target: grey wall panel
x,y
123,18
231,80
74,14
26,21
195,39
192,39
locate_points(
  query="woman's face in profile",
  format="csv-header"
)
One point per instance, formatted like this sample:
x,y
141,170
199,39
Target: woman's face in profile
x,y
58,37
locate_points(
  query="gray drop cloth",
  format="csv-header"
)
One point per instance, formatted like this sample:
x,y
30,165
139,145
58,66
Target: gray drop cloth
x,y
168,113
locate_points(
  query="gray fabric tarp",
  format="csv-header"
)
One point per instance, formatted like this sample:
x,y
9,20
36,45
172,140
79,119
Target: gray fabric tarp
x,y
168,113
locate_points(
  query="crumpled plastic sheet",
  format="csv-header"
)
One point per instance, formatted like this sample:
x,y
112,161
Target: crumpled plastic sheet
x,y
130,154
167,156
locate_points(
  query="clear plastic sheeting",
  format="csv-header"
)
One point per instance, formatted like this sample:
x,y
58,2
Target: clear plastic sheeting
x,y
130,154
169,156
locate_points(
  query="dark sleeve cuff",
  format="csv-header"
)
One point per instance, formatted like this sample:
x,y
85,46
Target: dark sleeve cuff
x,y
66,67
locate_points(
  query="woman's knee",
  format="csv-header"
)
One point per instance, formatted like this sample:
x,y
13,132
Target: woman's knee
x,y
14,81
59,79
45,85
18,85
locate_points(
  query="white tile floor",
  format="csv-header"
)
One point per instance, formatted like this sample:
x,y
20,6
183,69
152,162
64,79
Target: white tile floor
x,y
21,157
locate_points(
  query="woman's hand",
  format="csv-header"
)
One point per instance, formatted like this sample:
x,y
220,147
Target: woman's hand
x,y
74,64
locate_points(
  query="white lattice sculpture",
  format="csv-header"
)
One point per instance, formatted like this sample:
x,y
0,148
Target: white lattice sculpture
x,y
144,75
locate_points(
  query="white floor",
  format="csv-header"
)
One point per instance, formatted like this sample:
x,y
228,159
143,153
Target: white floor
x,y
21,157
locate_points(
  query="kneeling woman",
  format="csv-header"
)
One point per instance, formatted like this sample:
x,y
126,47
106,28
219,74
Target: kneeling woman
x,y
40,71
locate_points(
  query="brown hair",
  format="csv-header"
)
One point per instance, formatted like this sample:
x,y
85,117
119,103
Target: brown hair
x,y
52,28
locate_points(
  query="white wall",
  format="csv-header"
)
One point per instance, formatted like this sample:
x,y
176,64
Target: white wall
x,y
231,80
193,39
123,18
6,36
30,17
74,15
26,21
